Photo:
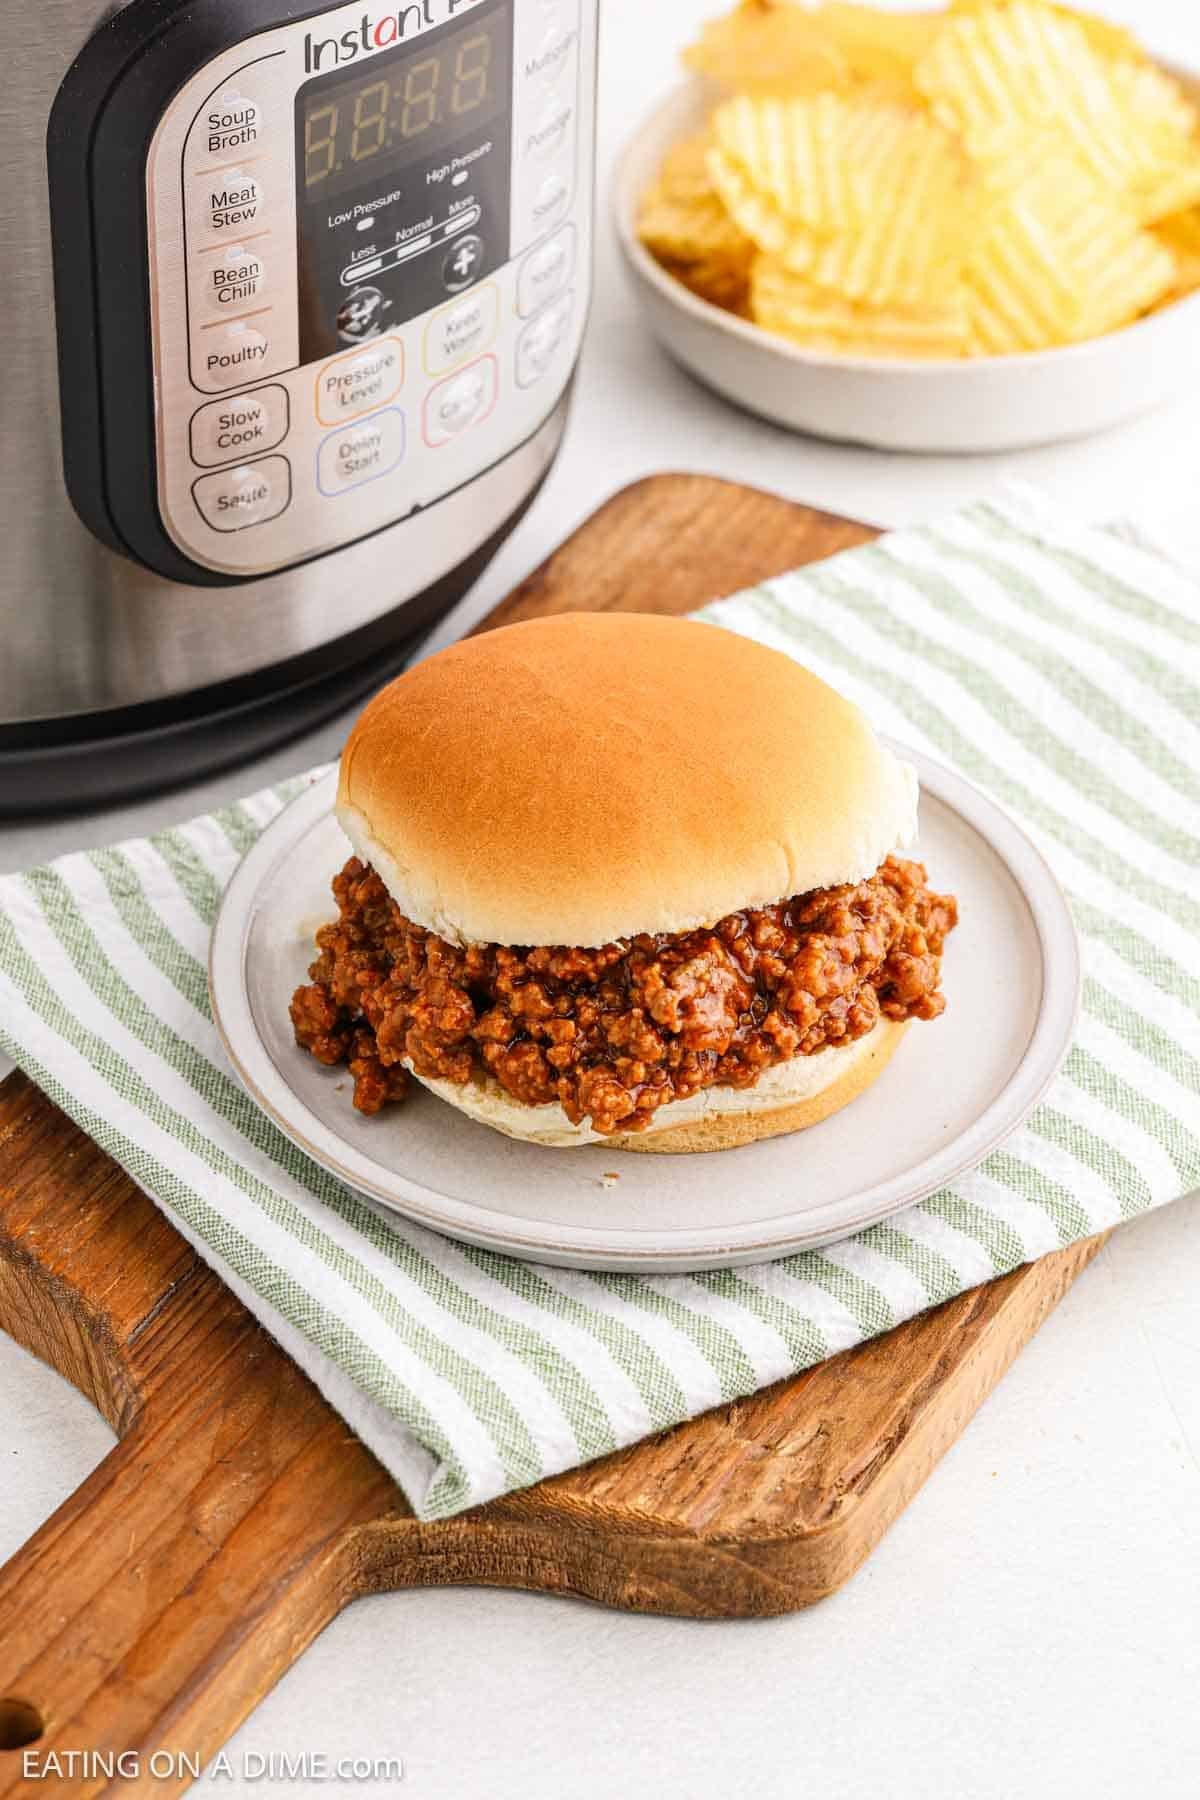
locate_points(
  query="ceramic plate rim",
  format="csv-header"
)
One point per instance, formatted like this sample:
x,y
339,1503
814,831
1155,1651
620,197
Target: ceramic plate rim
x,y
611,1248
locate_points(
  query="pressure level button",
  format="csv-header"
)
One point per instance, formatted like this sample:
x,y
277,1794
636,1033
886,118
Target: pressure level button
x,y
249,494
229,430
359,381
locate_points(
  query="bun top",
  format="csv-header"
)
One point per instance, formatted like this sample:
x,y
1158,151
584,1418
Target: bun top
x,y
579,779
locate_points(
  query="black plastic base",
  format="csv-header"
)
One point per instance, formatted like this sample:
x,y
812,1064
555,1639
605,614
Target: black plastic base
x,y
102,759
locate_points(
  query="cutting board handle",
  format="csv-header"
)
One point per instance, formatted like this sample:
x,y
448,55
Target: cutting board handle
x,y
218,1536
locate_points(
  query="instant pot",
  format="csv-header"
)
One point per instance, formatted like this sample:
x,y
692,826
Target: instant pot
x,y
294,299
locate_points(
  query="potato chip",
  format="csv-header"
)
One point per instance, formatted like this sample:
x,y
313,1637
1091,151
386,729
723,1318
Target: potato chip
x,y
1181,236
683,223
870,199
1059,259
813,316
1021,63
1001,176
797,155
878,47
1167,127
1103,36
768,47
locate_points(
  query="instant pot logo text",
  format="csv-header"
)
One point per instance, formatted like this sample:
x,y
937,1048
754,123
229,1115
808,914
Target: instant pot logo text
x,y
371,34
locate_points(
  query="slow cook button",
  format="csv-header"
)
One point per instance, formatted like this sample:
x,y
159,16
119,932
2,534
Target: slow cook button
x,y
540,339
232,355
359,381
461,401
225,203
545,271
225,429
249,494
230,280
228,123
361,453
462,329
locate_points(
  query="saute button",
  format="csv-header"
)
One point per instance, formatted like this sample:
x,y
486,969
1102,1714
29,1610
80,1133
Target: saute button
x,y
226,203
359,381
249,494
463,400
362,452
230,280
231,355
545,271
540,339
462,329
548,202
239,427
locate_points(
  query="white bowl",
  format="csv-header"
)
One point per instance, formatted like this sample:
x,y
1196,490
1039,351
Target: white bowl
x,y
989,404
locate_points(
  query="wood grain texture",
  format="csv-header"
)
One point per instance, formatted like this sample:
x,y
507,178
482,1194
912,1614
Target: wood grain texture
x,y
237,1515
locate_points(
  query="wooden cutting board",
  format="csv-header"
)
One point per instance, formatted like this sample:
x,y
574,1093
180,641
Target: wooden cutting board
x,y
237,1515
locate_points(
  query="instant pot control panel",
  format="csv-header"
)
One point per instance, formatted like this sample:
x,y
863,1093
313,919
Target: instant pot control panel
x,y
365,245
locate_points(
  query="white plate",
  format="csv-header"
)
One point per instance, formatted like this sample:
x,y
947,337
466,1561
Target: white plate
x,y
953,1092
989,404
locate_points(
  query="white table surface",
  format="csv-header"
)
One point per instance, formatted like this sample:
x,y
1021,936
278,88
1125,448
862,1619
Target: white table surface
x,y
1031,1626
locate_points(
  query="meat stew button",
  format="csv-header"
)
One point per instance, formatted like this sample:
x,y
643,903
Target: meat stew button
x,y
249,494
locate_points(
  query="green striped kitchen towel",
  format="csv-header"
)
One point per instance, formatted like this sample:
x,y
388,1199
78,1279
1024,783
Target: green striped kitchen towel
x,y
1057,666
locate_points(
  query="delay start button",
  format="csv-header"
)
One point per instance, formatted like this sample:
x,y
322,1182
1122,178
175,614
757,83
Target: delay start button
x,y
361,452
229,429
359,381
249,494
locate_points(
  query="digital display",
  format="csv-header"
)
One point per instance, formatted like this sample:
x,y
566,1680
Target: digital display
x,y
411,103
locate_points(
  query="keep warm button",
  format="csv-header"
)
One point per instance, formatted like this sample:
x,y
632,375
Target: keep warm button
x,y
249,494
364,452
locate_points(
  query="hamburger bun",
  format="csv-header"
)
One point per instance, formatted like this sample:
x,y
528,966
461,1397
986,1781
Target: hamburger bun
x,y
580,779
789,1096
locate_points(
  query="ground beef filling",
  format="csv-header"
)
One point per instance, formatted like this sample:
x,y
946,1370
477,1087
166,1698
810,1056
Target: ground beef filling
x,y
615,1033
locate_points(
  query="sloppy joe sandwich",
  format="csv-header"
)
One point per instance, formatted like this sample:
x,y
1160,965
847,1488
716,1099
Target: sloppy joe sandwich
x,y
622,879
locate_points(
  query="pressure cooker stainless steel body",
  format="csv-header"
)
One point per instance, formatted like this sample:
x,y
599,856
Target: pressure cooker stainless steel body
x,y
295,331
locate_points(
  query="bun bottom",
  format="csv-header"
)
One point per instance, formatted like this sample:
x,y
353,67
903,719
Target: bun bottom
x,y
788,1097
728,1131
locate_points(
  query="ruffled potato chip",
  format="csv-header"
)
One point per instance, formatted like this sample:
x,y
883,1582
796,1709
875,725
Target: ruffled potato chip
x,y
684,224
1103,36
866,197
1180,235
1059,259
768,47
995,177
814,316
